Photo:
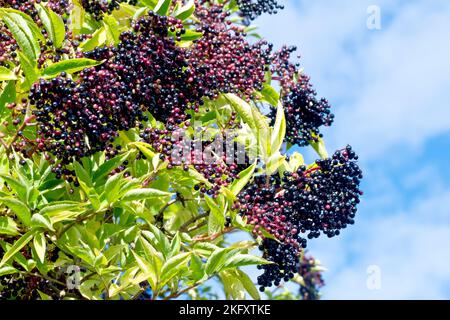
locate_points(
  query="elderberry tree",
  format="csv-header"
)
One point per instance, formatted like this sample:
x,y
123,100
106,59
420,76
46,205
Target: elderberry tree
x,y
135,137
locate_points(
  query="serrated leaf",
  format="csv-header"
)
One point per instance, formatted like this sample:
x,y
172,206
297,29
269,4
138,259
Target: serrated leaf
x,y
270,95
7,270
248,284
162,7
19,208
38,220
173,266
8,95
112,187
22,33
158,239
29,69
191,35
98,39
53,23
279,130
69,66
185,11
40,246
147,268
17,246
243,109
218,258
143,194
216,218
112,29
6,74
108,166
8,226
244,178
145,148
319,147
232,285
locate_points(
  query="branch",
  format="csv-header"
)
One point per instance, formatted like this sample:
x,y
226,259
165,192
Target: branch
x,y
214,236
184,227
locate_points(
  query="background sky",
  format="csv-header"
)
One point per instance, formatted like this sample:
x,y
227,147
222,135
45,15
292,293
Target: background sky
x,y
390,90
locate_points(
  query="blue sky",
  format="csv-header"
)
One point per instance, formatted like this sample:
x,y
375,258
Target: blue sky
x,y
390,89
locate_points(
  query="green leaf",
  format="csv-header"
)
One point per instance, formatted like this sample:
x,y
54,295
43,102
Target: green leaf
x,y
6,74
319,147
295,161
7,270
53,23
233,287
185,11
17,246
108,166
270,95
31,24
241,260
244,178
19,208
20,29
98,39
77,17
216,219
8,226
150,3
53,208
29,69
158,240
112,29
38,220
8,95
69,66
142,194
175,245
218,258
162,7
112,187
173,266
248,284
191,35
82,175
243,109
40,246
19,188
279,130
147,268
145,148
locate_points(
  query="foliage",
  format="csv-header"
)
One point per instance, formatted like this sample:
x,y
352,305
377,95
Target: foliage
x,y
99,198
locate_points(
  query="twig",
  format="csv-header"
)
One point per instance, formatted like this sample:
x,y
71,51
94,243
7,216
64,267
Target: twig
x,y
192,220
213,236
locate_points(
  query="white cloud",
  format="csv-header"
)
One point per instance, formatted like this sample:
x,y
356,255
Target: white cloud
x,y
390,86
410,247
391,93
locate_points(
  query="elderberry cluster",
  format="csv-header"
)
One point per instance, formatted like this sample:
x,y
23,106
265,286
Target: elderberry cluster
x,y
305,114
97,8
219,160
146,72
27,6
151,68
222,60
324,198
285,263
8,46
312,278
320,199
251,9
